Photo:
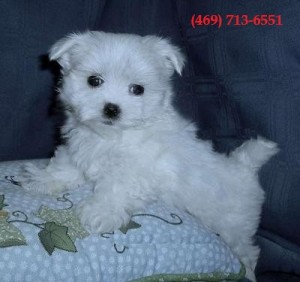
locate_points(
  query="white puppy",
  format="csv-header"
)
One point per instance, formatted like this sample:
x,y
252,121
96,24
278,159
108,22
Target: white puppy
x,y
125,138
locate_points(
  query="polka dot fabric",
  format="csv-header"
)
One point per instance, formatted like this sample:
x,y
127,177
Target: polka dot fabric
x,y
160,241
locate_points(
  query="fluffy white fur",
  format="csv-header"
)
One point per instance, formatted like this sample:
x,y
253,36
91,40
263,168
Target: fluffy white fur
x,y
150,152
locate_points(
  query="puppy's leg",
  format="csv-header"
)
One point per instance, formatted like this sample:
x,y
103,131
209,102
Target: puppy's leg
x,y
242,245
59,175
109,208
249,259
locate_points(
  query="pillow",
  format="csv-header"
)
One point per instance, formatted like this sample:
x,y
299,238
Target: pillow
x,y
42,239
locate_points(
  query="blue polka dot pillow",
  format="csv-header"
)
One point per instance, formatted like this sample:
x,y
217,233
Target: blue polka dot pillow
x,y
42,240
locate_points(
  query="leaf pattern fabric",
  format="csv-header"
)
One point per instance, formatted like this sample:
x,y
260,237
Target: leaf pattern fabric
x,y
158,242
56,236
10,235
64,218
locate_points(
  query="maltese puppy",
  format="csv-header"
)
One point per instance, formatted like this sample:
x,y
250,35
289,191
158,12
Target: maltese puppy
x,y
124,136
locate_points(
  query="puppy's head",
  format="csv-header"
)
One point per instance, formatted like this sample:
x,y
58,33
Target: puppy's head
x,y
116,79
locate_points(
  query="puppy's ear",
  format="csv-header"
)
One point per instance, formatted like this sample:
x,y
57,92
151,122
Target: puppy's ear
x,y
61,50
170,54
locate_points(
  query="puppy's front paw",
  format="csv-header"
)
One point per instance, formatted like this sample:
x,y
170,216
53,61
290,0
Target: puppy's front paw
x,y
101,217
38,180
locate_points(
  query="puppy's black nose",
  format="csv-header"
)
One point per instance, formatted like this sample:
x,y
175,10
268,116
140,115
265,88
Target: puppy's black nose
x,y
111,111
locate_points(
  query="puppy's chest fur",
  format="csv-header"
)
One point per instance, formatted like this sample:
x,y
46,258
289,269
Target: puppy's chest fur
x,y
115,153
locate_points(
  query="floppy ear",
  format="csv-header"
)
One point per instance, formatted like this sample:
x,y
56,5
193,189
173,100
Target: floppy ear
x,y
171,54
60,51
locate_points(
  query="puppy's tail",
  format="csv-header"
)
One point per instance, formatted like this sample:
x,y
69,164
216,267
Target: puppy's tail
x,y
255,152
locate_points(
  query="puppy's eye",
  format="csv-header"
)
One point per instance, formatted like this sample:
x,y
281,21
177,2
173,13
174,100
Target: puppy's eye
x,y
95,80
136,89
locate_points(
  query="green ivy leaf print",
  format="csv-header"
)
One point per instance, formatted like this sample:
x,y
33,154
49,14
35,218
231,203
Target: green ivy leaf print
x,y
2,205
9,234
65,218
131,225
56,236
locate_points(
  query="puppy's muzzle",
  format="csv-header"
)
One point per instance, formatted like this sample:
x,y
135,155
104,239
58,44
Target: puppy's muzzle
x,y
111,111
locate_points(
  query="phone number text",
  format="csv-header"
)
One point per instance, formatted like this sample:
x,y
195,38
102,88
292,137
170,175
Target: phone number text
x,y
235,20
